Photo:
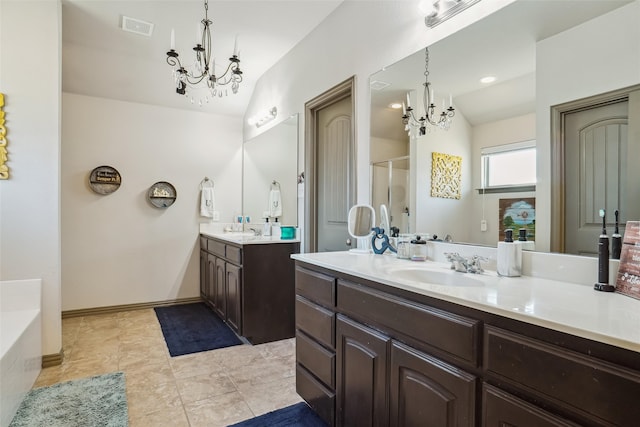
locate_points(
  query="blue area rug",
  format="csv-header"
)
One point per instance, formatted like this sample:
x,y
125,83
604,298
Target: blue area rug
x,y
99,401
299,414
191,328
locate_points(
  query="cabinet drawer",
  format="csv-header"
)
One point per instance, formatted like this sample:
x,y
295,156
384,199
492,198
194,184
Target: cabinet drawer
x,y
215,247
316,321
456,335
592,388
315,286
234,254
320,361
502,409
321,399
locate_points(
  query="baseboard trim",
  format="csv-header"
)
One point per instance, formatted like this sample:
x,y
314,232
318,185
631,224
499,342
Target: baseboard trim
x,y
126,307
55,359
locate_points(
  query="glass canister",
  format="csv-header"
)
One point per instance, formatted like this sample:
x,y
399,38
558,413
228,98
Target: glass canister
x,y
403,246
418,249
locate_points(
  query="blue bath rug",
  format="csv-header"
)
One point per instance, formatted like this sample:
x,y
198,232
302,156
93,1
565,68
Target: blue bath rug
x,y
192,328
98,401
300,415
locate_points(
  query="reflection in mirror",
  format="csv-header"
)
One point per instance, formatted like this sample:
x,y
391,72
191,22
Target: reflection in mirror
x,y
360,221
547,59
390,184
385,224
269,174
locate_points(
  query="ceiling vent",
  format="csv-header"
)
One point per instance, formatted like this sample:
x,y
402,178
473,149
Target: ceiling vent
x,y
379,85
137,26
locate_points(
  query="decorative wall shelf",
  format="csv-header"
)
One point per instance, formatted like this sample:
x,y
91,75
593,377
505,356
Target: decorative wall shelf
x,y
162,194
104,180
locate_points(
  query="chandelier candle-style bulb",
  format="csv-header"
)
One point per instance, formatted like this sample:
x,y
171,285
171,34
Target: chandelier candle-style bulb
x,y
430,117
203,72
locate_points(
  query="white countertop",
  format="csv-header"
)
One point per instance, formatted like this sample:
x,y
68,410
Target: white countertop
x,y
244,238
576,309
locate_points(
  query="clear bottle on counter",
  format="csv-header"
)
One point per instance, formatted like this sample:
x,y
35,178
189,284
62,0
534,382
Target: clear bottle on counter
x,y
418,249
403,246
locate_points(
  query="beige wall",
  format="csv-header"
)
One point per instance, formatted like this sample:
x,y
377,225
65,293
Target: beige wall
x,y
576,64
117,248
436,215
29,200
501,132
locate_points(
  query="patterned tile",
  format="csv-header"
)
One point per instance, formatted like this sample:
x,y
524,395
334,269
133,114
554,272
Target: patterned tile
x,y
211,388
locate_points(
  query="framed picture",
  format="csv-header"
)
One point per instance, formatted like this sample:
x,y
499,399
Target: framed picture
x,y
446,175
515,214
628,280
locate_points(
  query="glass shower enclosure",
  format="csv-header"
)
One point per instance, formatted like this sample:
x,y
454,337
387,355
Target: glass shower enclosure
x,y
390,186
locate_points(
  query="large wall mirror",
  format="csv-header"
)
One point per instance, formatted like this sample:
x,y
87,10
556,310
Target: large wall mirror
x,y
270,163
542,54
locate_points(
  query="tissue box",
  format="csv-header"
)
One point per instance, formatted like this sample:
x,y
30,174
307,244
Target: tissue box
x,y
287,232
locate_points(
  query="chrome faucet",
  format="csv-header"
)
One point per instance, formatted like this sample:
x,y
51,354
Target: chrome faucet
x,y
465,265
256,232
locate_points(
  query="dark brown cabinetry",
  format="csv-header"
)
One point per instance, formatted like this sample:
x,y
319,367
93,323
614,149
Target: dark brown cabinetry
x,y
361,375
425,391
374,355
251,287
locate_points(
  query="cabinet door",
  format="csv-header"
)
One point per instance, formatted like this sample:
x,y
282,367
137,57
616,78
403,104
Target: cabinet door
x,y
426,392
203,274
361,375
211,279
501,409
234,297
218,287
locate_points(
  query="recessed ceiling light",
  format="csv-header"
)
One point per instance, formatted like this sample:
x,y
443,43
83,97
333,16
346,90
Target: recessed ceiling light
x,y
488,79
395,105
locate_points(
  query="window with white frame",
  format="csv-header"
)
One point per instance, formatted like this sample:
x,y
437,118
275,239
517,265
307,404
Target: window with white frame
x,y
510,167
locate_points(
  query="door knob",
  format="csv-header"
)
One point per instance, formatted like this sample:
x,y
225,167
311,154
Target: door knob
x,y
348,242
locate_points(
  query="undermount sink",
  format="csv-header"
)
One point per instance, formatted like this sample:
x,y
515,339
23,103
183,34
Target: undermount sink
x,y
432,277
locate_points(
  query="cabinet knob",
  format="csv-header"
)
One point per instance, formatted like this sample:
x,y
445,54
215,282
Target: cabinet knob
x,y
348,242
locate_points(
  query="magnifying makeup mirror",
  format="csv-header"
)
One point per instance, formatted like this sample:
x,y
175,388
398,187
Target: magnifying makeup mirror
x,y
384,219
361,219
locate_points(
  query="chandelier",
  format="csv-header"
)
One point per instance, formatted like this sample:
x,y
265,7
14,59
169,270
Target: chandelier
x,y
204,69
442,120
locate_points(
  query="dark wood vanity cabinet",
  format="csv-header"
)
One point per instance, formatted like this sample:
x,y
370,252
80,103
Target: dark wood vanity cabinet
x,y
374,355
251,287
361,375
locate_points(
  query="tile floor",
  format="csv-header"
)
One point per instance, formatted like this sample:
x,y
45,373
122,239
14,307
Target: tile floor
x,y
212,388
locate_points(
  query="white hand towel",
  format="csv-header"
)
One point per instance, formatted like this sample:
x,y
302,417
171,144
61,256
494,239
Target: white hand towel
x,y
207,202
275,204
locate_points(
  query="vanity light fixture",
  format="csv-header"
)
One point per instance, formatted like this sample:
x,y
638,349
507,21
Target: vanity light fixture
x,y
438,11
204,67
442,120
263,118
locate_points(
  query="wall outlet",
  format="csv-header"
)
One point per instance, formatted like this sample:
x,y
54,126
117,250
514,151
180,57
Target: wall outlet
x,y
483,225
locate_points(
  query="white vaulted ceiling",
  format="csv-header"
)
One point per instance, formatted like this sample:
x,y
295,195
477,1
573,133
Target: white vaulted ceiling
x,y
100,59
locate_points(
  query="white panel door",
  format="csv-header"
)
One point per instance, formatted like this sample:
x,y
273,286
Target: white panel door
x,y
335,180
596,144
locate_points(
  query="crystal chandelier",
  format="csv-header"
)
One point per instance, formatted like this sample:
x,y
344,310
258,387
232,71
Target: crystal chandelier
x,y
442,120
204,69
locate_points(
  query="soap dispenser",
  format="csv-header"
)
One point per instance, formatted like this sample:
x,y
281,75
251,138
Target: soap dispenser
x,y
266,228
509,262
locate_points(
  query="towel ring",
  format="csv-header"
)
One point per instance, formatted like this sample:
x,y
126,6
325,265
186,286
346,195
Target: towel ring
x,y
206,183
275,185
